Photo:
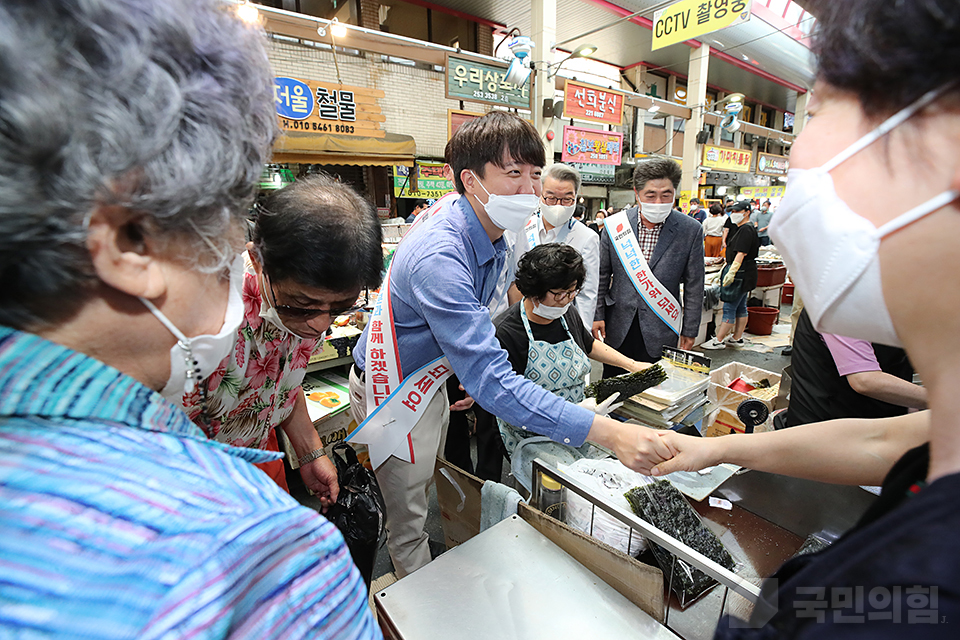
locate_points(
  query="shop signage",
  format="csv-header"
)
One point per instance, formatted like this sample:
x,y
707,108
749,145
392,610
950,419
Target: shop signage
x,y
763,193
324,107
432,181
592,173
485,82
457,118
727,159
591,146
690,19
586,102
771,165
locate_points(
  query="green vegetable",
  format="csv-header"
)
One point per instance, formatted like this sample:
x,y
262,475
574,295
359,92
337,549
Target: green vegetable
x,y
629,384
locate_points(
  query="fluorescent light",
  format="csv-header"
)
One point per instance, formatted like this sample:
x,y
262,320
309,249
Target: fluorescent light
x,y
337,29
248,13
653,109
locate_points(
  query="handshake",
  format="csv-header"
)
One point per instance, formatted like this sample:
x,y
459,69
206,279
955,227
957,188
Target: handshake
x,y
655,452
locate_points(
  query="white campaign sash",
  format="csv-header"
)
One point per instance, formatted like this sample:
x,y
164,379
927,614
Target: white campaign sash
x,y
532,231
394,403
657,297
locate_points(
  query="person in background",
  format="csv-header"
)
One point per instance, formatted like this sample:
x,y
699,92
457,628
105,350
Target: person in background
x,y
672,246
579,212
738,279
837,377
697,212
120,235
713,231
418,208
597,223
546,340
316,246
884,113
553,223
442,278
761,220
729,226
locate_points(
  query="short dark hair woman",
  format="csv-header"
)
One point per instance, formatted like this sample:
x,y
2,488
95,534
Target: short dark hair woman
x,y
738,279
545,339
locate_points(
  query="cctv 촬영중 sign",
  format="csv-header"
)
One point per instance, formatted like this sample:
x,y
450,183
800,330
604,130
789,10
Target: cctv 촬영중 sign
x,y
688,19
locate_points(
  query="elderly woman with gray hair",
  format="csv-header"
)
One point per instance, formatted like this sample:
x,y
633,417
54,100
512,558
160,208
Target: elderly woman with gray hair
x,y
133,134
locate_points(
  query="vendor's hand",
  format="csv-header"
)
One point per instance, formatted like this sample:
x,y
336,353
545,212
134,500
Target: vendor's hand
x,y
605,408
686,343
600,330
320,476
729,278
462,405
692,453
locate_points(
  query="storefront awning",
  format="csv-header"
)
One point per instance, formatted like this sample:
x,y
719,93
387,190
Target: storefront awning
x,y
321,148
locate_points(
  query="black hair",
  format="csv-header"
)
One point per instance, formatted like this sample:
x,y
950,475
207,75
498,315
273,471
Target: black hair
x,y
579,211
656,169
715,209
320,233
492,138
692,200
420,203
888,54
549,266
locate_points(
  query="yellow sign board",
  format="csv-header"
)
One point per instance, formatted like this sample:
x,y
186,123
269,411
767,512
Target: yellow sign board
x,y
762,193
727,159
688,19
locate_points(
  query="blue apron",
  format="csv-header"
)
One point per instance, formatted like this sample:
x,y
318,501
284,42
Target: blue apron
x,y
560,368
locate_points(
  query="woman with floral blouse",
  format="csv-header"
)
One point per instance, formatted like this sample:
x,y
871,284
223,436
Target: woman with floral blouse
x,y
316,246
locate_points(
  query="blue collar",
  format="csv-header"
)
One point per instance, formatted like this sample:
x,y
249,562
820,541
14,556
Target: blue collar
x,y
39,378
477,237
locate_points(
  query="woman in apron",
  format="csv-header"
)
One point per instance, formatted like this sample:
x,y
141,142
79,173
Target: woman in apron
x,y
546,342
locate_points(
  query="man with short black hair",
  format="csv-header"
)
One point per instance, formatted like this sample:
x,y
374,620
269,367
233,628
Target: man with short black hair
x,y
418,208
697,212
648,251
432,320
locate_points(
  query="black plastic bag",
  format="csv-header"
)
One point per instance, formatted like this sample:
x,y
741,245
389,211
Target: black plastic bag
x,y
359,513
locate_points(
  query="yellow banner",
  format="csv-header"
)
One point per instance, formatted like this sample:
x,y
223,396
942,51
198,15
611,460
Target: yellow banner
x,y
727,159
762,193
690,19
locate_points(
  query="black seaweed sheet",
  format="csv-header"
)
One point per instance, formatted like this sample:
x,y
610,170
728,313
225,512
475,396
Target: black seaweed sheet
x,y
663,506
628,384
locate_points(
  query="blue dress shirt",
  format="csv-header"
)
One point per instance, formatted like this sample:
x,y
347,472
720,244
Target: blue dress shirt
x,y
442,278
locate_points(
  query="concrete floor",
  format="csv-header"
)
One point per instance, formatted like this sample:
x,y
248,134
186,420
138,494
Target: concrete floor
x,y
769,361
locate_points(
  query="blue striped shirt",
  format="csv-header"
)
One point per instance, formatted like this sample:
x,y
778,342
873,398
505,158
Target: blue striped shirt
x,y
120,519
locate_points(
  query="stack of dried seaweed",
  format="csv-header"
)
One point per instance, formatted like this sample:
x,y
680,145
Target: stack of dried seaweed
x,y
663,506
629,384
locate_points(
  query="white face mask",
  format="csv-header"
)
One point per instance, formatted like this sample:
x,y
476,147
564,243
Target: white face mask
x,y
736,218
832,252
557,214
193,360
509,213
550,313
269,313
656,212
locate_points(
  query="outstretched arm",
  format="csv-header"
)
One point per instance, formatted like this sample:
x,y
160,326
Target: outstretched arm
x,y
848,451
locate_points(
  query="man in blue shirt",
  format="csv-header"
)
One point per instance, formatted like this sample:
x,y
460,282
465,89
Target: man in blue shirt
x,y
443,277
120,235
761,219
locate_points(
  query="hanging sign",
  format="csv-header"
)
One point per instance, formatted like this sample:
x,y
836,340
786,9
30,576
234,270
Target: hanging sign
x,y
727,159
485,82
690,19
586,102
763,193
771,165
325,107
592,173
432,181
591,145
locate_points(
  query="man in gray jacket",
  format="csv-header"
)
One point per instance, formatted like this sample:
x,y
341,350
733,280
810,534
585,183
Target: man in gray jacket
x,y
672,248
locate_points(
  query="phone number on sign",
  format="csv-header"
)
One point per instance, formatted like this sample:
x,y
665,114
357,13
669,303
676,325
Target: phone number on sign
x,y
319,126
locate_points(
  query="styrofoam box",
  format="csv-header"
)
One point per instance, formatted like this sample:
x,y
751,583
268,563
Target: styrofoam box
x,y
728,399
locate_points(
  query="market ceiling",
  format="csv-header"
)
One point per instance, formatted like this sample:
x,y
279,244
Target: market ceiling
x,y
759,58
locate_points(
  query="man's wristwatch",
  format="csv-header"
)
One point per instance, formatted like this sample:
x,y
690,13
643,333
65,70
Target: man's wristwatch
x,y
310,457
